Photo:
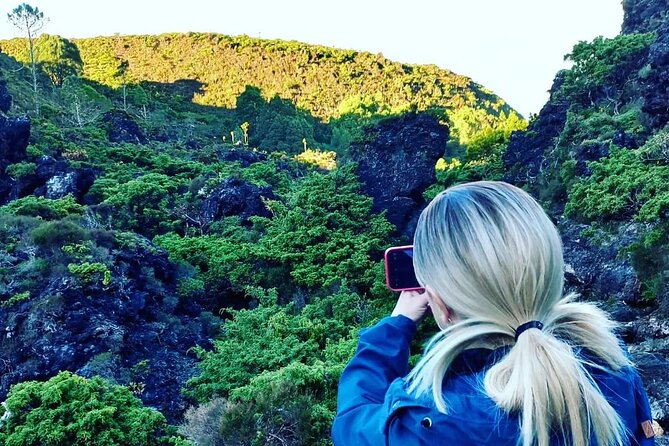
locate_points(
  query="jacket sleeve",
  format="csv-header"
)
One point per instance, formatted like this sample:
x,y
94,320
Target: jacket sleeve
x,y
643,414
382,356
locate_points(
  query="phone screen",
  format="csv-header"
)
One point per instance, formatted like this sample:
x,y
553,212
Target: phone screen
x,y
399,269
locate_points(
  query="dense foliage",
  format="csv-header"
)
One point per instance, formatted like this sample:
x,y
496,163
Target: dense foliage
x,y
69,410
326,82
164,131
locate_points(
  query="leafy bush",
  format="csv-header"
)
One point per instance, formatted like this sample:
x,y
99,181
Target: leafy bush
x,y
274,337
90,272
143,204
15,299
45,208
623,185
597,63
58,233
69,410
325,232
277,412
202,424
322,160
20,170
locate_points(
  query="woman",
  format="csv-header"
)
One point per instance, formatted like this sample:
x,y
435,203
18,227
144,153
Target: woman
x,y
514,361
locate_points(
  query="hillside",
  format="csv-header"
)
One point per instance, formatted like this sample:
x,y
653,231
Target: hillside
x,y
325,82
176,248
193,225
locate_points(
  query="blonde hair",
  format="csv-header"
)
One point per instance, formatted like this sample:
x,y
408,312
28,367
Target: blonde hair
x,y
495,258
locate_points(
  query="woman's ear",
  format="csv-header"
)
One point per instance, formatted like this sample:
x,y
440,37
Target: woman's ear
x,y
442,314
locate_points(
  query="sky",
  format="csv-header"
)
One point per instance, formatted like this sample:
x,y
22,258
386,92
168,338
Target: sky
x,y
512,47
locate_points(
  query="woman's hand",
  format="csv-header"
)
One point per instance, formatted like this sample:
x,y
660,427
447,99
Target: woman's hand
x,y
412,304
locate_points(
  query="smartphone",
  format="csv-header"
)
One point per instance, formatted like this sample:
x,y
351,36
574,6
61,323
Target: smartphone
x,y
400,275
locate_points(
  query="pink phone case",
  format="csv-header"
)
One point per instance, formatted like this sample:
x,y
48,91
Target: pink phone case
x,y
385,263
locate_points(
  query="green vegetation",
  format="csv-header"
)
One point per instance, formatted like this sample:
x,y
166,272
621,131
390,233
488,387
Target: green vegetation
x,y
90,272
481,159
359,85
70,410
597,63
43,207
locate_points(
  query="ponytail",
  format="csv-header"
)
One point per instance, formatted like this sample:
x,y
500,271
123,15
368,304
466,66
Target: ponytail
x,y
493,256
544,379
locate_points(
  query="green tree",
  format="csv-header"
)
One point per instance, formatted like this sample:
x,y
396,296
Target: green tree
x,y
29,20
58,57
325,232
82,102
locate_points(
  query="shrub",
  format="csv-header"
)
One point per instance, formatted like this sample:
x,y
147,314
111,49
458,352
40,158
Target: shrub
x,y
45,208
58,233
89,273
622,185
325,232
20,170
315,157
143,204
15,299
69,410
274,337
279,414
596,63
202,424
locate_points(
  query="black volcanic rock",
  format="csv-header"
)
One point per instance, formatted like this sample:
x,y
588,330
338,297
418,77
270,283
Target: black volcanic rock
x,y
5,97
525,154
52,179
655,87
642,16
396,160
244,156
235,197
122,128
593,264
14,136
93,328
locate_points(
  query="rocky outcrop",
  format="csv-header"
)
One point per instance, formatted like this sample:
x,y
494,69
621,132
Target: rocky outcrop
x,y
642,16
5,97
132,329
122,128
245,157
14,136
236,197
594,267
396,159
56,179
525,154
52,179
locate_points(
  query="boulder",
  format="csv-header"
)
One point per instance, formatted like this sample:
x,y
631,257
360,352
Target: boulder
x,y
122,128
236,197
396,160
525,154
244,156
5,98
14,136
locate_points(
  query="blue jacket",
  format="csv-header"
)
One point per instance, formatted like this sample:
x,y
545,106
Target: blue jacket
x,y
373,407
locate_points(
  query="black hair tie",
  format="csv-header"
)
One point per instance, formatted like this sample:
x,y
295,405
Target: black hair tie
x,y
527,326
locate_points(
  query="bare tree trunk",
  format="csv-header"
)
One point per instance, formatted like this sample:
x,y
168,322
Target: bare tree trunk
x,y
33,68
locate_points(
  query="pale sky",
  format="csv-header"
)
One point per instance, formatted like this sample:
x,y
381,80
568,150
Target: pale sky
x,y
513,47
